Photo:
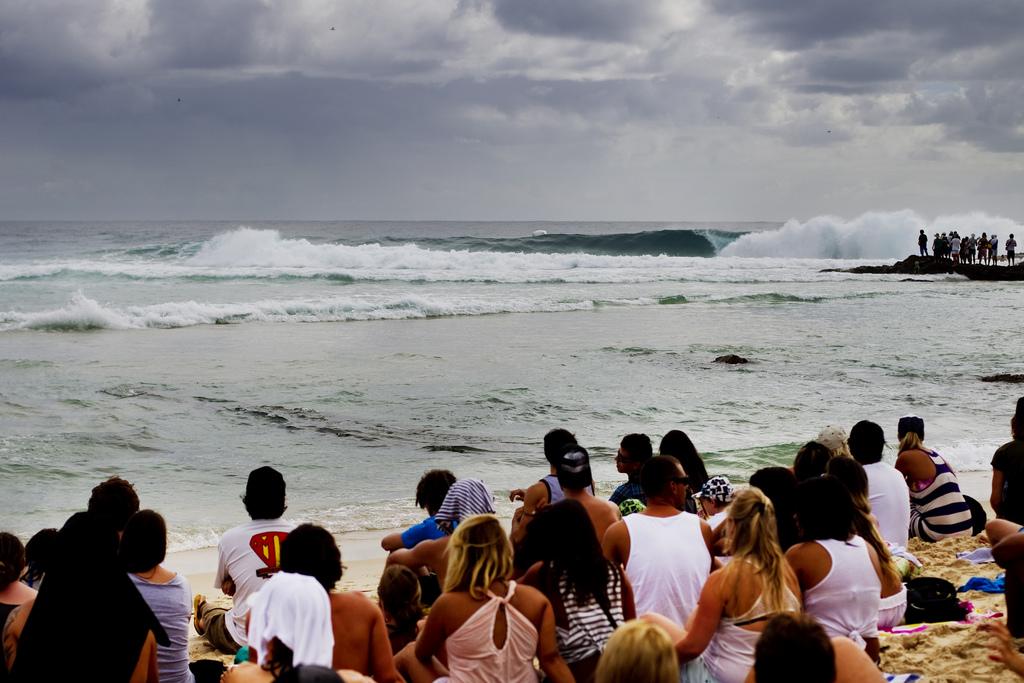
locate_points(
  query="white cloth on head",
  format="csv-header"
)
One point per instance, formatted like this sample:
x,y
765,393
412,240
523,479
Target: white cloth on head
x,y
465,498
295,609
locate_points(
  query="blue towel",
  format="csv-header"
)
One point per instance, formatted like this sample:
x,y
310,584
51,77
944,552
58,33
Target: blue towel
x,y
980,583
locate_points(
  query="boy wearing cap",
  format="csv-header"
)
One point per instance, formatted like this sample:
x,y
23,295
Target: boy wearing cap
x,y
247,555
713,500
1008,472
575,478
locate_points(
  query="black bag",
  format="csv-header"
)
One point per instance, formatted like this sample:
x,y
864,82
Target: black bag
x,y
931,599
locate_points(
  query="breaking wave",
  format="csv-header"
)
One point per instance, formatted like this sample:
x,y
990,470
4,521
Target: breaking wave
x,y
873,235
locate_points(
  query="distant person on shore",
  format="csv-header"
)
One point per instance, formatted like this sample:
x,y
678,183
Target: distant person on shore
x,y
430,492
887,490
543,492
922,243
116,500
983,247
937,506
1011,250
360,636
993,250
779,484
677,444
713,500
738,599
464,622
142,552
665,552
954,248
247,556
591,596
838,572
634,451
794,647
576,480
88,621
811,460
1007,497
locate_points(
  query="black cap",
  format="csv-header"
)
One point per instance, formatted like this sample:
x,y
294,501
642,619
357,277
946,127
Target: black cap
x,y
910,423
574,467
264,482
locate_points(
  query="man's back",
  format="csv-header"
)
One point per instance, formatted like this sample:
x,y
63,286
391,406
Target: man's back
x,y
249,554
890,501
668,563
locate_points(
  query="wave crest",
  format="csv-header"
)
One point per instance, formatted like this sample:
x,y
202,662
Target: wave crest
x,y
872,235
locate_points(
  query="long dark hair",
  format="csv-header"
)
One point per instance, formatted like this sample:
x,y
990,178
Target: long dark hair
x,y
563,538
678,444
779,484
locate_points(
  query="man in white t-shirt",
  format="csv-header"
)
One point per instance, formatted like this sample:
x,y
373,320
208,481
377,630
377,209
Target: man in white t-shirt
x,y
665,552
247,556
887,489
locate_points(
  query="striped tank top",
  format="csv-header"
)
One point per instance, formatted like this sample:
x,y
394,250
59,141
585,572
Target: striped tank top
x,y
590,626
939,510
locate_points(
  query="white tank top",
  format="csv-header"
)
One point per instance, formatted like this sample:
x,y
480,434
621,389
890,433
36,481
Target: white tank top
x,y
668,563
846,601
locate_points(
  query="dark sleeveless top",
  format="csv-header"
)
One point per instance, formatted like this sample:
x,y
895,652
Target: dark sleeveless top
x,y
5,611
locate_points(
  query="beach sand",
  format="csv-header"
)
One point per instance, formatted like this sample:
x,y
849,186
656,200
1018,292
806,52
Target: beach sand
x,y
943,653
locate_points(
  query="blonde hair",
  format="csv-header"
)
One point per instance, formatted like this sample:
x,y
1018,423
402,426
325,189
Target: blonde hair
x,y
911,441
478,555
754,540
638,652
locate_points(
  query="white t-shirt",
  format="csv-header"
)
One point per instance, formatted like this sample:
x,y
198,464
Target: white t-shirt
x,y
715,520
954,245
250,554
890,502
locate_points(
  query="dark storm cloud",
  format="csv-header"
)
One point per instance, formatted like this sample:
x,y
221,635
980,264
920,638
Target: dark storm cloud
x,y
611,20
947,24
201,34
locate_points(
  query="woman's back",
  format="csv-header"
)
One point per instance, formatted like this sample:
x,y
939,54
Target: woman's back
x,y
171,602
493,639
745,612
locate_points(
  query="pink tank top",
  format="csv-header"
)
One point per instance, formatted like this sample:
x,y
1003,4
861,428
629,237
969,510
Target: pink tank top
x,y
474,658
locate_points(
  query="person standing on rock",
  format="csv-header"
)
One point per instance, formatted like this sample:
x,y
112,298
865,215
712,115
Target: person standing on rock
x,y
993,249
983,249
1011,249
954,249
922,243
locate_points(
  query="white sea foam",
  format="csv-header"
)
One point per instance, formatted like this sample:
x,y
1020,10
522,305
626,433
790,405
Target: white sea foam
x,y
873,235
83,313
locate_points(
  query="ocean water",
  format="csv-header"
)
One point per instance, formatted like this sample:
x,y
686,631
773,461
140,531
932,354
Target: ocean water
x,y
355,355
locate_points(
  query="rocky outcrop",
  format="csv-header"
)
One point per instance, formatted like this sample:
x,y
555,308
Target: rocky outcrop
x,y
929,265
732,359
1010,379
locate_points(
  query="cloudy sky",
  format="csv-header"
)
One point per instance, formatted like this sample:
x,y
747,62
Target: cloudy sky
x,y
509,109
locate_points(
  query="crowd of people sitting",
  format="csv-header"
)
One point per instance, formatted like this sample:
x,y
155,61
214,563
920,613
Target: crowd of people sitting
x,y
982,250
678,576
